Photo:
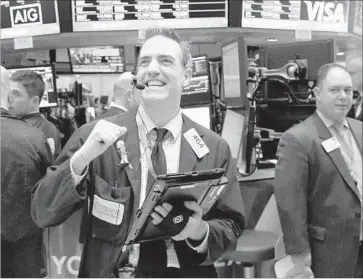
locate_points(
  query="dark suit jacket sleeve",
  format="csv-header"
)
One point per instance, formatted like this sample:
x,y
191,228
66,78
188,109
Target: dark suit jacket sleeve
x,y
55,196
291,186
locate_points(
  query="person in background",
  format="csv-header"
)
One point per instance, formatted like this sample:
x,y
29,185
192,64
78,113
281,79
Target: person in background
x,y
25,156
354,67
95,151
125,96
318,185
27,90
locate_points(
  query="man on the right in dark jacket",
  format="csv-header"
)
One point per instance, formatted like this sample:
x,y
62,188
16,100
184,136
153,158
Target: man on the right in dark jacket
x,y
318,185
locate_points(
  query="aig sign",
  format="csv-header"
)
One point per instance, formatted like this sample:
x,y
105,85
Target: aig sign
x,y
26,15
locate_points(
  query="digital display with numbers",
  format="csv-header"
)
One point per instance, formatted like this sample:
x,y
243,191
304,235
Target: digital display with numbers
x,y
96,15
311,15
21,18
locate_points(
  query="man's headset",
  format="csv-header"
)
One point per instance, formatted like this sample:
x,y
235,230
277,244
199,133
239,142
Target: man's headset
x,y
139,86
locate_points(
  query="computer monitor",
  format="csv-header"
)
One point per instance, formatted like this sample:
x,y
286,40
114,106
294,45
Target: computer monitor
x,y
50,93
200,115
198,92
102,59
316,53
235,74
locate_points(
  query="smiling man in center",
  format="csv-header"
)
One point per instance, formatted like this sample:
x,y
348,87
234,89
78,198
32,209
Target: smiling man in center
x,y
157,139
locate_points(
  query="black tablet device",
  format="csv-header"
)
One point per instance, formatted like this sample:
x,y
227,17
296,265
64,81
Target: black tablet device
x,y
203,187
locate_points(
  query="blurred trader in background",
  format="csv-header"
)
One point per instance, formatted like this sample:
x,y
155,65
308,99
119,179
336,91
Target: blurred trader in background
x,y
25,156
164,69
318,185
354,66
125,96
27,90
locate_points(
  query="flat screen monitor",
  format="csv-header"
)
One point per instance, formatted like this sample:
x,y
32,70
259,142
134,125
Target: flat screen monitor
x,y
102,15
199,89
200,115
316,53
102,59
50,95
29,18
235,67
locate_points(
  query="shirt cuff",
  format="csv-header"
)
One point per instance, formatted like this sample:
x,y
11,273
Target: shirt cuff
x,y
203,247
77,178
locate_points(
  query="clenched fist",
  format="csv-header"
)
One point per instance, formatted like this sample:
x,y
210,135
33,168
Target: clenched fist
x,y
103,135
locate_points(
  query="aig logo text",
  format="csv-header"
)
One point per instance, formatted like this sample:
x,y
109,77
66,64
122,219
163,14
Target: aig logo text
x,y
26,15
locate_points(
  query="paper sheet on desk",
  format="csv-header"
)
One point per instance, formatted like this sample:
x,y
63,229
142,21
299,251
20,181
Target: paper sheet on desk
x,y
290,267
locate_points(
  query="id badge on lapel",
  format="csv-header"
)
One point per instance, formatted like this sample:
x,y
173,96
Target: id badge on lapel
x,y
330,144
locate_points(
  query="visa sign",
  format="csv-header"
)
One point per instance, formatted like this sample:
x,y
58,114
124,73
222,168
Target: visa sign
x,y
26,15
324,11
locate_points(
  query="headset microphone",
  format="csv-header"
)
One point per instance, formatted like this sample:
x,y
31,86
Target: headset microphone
x,y
139,86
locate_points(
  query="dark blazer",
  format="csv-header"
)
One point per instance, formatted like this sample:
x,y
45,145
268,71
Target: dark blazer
x,y
48,129
25,156
110,112
317,199
55,196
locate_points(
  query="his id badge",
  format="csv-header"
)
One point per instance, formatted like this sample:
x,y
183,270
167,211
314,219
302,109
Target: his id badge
x,y
330,144
196,143
108,211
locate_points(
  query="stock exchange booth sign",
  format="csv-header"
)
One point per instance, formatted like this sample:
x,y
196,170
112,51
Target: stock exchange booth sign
x,y
29,18
329,12
320,15
26,15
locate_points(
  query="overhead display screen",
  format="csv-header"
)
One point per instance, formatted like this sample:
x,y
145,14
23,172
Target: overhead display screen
x,y
296,15
103,59
50,96
96,15
198,91
22,18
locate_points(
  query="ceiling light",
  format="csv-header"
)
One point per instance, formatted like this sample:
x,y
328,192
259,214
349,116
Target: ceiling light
x,y
340,53
271,39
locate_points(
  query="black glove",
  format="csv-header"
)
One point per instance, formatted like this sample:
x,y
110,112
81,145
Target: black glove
x,y
176,220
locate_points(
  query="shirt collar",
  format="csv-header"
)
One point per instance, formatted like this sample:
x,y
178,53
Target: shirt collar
x,y
174,125
31,113
329,123
113,104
